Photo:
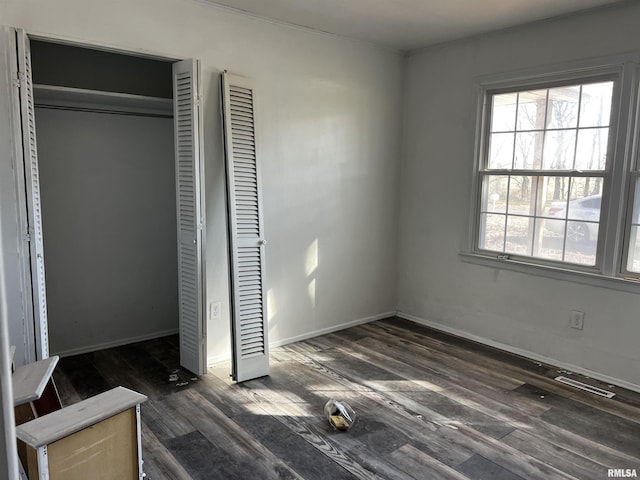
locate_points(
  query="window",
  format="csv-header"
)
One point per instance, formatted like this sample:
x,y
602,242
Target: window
x,y
633,233
553,183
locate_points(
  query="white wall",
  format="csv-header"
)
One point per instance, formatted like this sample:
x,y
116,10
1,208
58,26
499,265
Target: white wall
x,y
521,312
108,201
328,116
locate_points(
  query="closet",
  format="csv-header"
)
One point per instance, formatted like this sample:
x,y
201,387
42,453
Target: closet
x,y
106,156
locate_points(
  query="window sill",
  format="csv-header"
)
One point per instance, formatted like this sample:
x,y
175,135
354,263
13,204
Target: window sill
x,y
556,273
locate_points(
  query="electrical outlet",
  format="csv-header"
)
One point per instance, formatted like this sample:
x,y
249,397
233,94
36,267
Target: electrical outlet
x,y
577,320
215,310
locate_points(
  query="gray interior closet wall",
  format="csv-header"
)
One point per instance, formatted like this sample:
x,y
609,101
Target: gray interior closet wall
x,y
109,216
69,66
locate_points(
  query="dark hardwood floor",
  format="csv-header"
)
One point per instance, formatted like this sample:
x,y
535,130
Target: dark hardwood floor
x,y
429,406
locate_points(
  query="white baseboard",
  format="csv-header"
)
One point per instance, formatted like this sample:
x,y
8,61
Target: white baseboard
x,y
315,333
222,358
519,351
115,343
334,328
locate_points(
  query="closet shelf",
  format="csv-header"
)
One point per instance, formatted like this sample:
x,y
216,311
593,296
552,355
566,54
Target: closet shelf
x,y
94,100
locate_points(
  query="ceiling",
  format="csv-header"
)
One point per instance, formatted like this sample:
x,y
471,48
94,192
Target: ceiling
x,y
407,25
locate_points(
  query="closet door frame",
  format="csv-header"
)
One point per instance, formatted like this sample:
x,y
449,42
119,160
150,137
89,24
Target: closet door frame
x,y
32,349
33,235
34,345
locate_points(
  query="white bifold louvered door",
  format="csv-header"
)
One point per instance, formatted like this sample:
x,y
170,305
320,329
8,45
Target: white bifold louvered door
x,y
247,244
190,214
32,184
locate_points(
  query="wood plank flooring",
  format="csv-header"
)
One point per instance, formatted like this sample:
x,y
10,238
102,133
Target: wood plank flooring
x,y
430,406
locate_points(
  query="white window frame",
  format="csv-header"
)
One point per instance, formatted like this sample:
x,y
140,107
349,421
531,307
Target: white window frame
x,y
617,201
633,176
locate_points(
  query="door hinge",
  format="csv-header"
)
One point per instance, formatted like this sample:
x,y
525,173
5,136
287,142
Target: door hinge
x,y
18,80
198,100
29,234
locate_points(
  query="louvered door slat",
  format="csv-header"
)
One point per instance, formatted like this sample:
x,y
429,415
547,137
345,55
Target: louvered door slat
x,y
249,323
190,216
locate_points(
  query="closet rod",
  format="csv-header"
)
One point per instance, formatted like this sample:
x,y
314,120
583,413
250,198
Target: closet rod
x,y
99,110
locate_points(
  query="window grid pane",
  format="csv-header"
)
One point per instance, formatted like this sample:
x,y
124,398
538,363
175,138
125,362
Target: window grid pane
x,y
554,129
563,133
547,217
633,251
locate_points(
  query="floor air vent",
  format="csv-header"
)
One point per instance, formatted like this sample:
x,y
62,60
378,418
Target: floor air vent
x,y
584,386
